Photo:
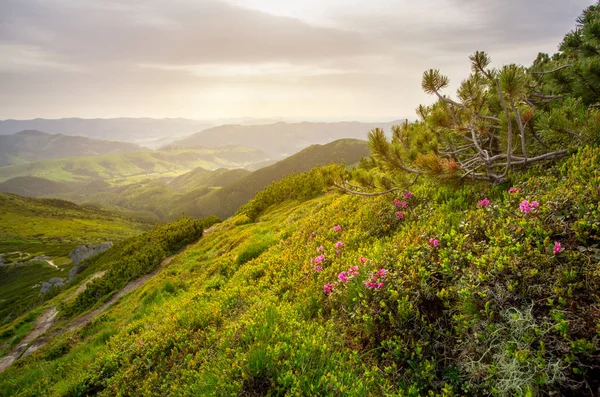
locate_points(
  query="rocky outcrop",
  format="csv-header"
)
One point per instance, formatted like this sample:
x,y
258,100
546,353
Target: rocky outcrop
x,y
53,282
85,251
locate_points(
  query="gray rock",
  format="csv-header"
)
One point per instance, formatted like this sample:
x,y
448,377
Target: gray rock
x,y
74,272
45,287
53,282
86,251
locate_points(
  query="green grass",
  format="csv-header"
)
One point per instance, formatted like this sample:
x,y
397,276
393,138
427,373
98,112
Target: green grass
x,y
243,311
20,286
55,227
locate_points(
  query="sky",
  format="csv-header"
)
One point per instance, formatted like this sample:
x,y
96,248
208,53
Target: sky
x,y
296,59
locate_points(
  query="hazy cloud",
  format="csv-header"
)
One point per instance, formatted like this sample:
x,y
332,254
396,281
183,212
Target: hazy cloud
x,y
217,58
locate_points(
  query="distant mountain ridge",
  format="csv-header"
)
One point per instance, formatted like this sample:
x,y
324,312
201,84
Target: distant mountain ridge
x,y
146,131
33,145
281,139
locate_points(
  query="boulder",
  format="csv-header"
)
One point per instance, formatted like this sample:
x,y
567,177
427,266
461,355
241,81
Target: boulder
x,y
86,251
53,282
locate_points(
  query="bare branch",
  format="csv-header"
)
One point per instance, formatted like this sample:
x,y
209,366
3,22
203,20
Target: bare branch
x,y
553,70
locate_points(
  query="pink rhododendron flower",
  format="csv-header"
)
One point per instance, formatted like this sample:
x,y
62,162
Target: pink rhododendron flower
x,y
312,235
535,204
318,268
514,190
376,282
525,207
362,260
400,214
557,247
399,203
339,244
320,249
318,259
343,277
408,195
337,228
484,203
327,288
353,271
434,241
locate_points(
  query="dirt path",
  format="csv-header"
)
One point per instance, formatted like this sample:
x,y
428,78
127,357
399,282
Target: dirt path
x,y
51,263
83,286
131,286
45,321
42,324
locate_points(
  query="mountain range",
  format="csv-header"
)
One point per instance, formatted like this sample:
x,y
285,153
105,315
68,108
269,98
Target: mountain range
x,y
32,145
280,139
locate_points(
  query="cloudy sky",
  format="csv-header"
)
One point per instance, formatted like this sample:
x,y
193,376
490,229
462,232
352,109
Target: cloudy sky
x,y
207,59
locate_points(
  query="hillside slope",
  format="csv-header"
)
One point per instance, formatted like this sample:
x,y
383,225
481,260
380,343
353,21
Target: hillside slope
x,y
50,226
227,200
31,186
121,168
451,299
280,139
31,145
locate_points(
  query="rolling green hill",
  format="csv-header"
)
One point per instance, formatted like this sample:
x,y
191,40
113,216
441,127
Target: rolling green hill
x,y
48,229
132,167
201,177
31,186
31,145
227,200
54,227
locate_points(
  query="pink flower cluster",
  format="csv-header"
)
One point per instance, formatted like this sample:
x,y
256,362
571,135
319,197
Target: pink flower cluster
x,y
337,228
400,214
399,203
408,195
321,249
514,190
319,259
339,244
526,206
557,247
318,268
351,272
484,203
312,235
344,277
376,281
434,241
362,260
